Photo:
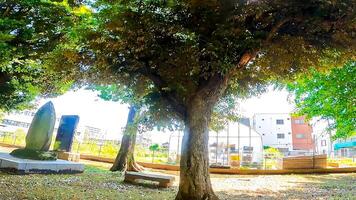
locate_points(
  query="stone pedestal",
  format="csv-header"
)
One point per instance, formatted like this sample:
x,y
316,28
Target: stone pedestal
x,y
75,157
26,166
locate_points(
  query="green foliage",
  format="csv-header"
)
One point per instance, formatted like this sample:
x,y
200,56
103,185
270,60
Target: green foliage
x,y
1,115
272,151
181,50
109,149
154,147
30,29
224,112
343,162
271,157
329,95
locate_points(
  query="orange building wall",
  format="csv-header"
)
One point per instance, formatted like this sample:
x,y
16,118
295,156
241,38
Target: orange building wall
x,y
305,143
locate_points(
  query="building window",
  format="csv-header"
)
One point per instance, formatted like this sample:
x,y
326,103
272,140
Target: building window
x,y
300,135
16,123
280,135
279,121
299,121
323,143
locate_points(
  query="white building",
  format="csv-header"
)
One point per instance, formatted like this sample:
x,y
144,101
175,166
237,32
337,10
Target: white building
x,y
276,130
20,120
322,137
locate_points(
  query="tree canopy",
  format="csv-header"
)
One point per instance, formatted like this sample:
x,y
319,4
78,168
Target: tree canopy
x,y
330,96
29,29
183,45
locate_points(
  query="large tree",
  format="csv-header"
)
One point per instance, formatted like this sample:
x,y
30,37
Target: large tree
x,y
330,95
28,30
194,53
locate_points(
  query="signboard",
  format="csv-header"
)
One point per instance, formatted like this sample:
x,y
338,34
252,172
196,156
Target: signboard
x,y
246,155
65,133
247,149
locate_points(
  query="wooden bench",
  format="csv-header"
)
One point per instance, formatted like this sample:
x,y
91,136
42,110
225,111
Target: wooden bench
x,y
164,181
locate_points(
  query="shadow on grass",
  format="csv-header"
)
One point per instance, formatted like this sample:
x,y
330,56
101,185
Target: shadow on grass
x,y
146,184
330,186
100,183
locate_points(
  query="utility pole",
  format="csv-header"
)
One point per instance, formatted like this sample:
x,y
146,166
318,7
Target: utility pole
x,y
169,145
227,143
238,138
314,139
178,146
216,150
249,132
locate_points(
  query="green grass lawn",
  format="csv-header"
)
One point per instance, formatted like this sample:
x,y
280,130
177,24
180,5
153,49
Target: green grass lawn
x,y
99,183
95,183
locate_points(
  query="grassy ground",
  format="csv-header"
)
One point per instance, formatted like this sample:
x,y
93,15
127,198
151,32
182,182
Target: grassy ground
x,y
95,183
98,183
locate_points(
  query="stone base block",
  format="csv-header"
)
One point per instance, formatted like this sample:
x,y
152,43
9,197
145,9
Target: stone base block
x,y
75,157
26,166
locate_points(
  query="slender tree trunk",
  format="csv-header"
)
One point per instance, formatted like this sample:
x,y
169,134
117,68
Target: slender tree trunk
x,y
125,158
194,166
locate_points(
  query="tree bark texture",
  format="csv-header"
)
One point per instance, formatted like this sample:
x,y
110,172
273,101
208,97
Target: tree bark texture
x,y
194,166
125,158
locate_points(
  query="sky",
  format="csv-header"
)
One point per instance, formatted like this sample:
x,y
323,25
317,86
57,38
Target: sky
x,y
273,101
111,116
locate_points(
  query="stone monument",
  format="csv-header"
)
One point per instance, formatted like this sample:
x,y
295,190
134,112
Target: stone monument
x,y
39,135
64,138
36,156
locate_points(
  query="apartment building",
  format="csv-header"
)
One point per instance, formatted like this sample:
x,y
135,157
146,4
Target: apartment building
x,y
275,129
290,134
301,134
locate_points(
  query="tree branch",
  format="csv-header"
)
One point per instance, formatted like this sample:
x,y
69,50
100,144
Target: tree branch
x,y
6,12
275,29
249,55
169,95
219,82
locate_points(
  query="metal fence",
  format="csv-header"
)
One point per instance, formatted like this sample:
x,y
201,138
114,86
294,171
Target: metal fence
x,y
222,151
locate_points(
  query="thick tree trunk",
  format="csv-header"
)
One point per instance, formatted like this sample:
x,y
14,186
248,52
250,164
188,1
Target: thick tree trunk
x,y
125,158
194,166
